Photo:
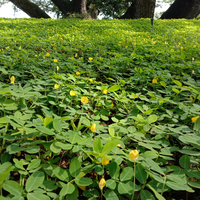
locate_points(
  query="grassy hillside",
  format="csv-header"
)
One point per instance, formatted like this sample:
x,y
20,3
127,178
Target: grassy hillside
x,y
84,102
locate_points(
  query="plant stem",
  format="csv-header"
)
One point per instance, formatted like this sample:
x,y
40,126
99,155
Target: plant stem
x,y
133,183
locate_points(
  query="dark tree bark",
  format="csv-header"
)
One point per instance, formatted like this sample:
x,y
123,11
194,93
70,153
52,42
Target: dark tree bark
x,y
30,8
140,9
75,6
188,9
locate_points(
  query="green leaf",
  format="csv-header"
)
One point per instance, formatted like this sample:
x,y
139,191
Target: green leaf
x,y
184,161
177,83
34,181
124,188
34,164
146,195
54,148
18,164
4,198
114,170
114,88
158,196
109,146
4,167
97,147
153,166
4,175
47,121
33,149
152,118
60,173
110,195
64,146
74,137
177,186
175,90
82,181
14,148
57,125
193,184
75,167
163,83
13,187
111,131
127,174
45,130
150,154
111,184
37,196
141,174
67,189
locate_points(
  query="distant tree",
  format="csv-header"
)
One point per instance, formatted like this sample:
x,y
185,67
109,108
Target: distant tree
x,y
188,9
122,9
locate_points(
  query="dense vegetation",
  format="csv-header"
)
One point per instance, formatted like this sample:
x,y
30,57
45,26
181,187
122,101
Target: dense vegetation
x,y
77,96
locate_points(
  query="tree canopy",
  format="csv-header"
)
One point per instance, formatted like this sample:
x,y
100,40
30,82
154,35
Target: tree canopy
x,y
122,9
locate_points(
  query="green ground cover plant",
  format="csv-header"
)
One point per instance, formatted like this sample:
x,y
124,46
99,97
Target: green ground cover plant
x,y
99,109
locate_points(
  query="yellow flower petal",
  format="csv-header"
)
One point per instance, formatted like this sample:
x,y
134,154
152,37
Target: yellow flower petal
x,y
105,161
104,91
84,100
78,73
55,60
102,183
12,79
72,93
194,119
134,155
90,58
56,86
93,128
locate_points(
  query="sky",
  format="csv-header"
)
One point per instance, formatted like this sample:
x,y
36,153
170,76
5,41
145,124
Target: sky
x,y
6,11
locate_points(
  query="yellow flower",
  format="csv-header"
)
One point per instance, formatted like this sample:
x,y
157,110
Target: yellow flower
x,y
20,48
105,161
78,73
112,105
104,91
135,43
18,55
181,47
76,55
35,55
57,68
118,145
134,155
102,183
192,59
155,80
126,46
47,54
90,80
72,93
55,60
84,100
90,58
194,119
193,71
132,54
72,58
93,128
195,46
56,86
43,57
12,79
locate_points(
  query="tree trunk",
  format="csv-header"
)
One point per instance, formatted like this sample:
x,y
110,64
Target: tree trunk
x,y
30,8
140,9
188,9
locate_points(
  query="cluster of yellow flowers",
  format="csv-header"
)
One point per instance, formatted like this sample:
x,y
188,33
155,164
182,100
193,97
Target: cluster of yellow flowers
x,y
133,156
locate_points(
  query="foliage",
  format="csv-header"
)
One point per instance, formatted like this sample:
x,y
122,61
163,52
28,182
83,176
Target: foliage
x,y
85,94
